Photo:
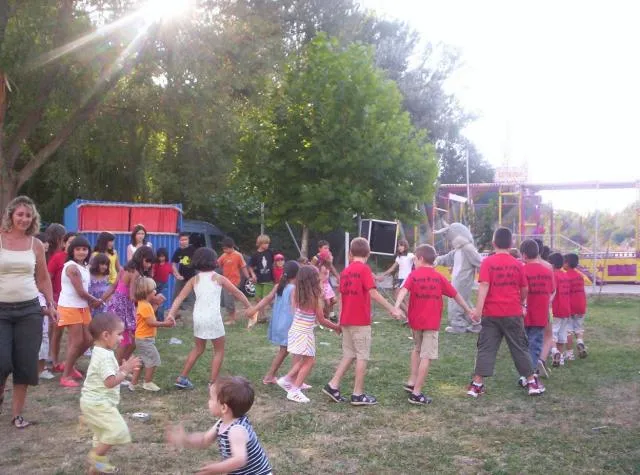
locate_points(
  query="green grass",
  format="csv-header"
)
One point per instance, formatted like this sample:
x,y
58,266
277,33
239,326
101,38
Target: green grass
x,y
504,431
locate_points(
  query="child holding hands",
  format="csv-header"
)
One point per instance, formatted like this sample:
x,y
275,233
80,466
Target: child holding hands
x,y
146,331
301,341
101,391
426,288
229,399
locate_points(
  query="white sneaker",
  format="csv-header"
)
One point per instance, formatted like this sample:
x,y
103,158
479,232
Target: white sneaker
x,y
562,359
126,384
571,356
284,384
150,386
297,396
46,374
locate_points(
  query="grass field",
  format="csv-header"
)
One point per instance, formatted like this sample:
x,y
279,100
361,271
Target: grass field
x,y
588,420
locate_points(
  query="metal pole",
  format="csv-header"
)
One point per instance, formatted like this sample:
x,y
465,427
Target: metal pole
x,y
262,218
346,249
468,185
594,265
293,237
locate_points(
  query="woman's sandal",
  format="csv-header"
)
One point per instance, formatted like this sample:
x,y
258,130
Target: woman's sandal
x,y
19,423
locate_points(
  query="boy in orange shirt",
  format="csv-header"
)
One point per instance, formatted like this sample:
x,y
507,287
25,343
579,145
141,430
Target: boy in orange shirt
x,y
233,265
146,330
426,288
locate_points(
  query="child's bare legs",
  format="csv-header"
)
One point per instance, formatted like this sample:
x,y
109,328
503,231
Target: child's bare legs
x,y
413,367
56,338
218,358
79,340
270,377
123,353
295,368
306,365
358,381
342,368
194,354
421,372
98,453
547,342
148,375
569,346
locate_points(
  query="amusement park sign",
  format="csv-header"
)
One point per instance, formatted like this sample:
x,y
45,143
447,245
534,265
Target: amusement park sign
x,y
511,175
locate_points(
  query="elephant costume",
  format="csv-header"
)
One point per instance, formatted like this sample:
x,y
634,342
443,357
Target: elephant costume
x,y
465,260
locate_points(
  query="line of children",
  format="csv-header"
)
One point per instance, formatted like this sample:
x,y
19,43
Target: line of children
x,y
425,287
207,317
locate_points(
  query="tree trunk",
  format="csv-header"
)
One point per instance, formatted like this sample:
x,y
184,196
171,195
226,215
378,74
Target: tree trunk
x,y
8,190
304,243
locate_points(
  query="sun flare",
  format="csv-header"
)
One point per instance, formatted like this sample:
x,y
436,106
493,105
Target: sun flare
x,y
165,10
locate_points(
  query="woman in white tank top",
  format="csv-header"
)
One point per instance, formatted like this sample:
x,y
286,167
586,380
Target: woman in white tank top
x,y
74,307
23,273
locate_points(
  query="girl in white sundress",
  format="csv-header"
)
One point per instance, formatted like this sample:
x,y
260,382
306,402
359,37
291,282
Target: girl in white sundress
x,y
307,300
207,319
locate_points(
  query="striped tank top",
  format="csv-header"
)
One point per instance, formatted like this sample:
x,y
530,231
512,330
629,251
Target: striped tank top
x,y
257,461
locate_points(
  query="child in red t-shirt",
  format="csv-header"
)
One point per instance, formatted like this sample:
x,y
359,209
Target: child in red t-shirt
x,y
578,303
426,288
561,308
501,297
540,285
160,271
357,288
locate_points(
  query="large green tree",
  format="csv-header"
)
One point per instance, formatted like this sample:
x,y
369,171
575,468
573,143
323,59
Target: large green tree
x,y
333,141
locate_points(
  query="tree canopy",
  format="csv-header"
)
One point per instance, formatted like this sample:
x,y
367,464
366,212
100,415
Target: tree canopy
x,y
98,103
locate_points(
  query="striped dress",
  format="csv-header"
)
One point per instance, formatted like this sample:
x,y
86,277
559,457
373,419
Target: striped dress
x,y
257,461
301,339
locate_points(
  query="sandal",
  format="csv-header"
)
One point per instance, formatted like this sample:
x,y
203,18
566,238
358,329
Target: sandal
x,y
19,423
334,394
408,388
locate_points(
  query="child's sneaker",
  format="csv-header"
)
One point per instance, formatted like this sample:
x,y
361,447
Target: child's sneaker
x,y
100,464
542,369
284,384
150,386
535,387
474,390
183,383
46,374
582,350
363,400
296,395
522,382
334,394
419,399
557,357
563,359
571,356
69,382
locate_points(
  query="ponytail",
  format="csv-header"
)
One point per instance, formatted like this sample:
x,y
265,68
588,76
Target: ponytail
x,y
290,272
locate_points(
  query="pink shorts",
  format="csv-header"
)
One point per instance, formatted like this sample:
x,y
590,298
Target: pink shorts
x,y
327,291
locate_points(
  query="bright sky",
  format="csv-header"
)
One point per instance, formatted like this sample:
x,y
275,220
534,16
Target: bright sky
x,y
556,85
